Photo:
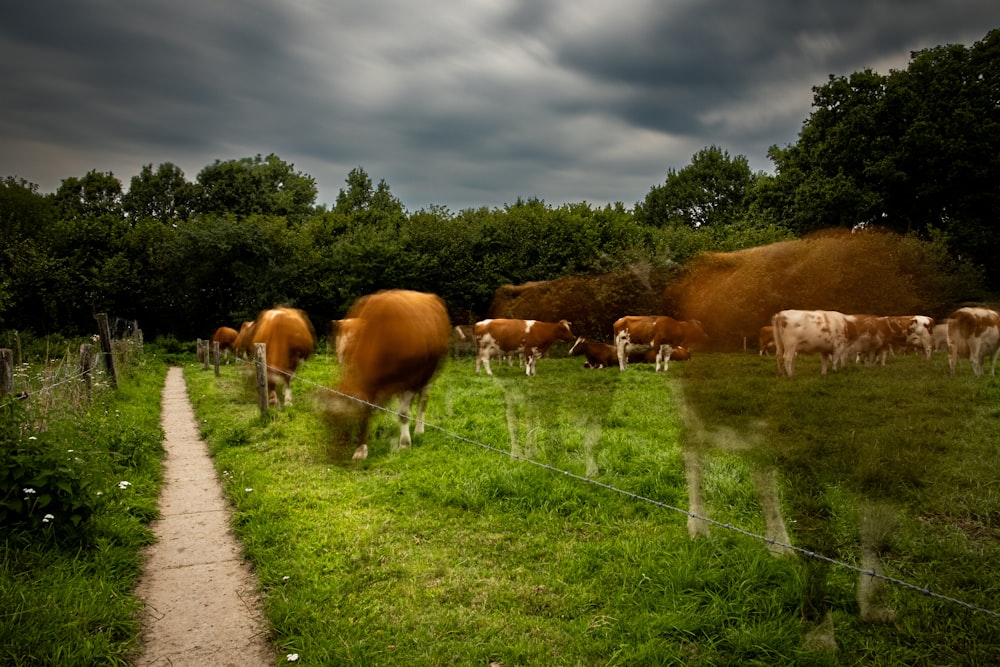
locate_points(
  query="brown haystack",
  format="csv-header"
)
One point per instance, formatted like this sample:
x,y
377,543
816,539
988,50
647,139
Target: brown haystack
x,y
590,303
734,294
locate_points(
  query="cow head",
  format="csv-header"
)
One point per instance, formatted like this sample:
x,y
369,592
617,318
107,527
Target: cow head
x,y
564,332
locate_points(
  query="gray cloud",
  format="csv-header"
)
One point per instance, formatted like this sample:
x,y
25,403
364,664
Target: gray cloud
x,y
458,104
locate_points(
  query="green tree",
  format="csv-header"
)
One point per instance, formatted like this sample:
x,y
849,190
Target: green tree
x,y
711,191
97,193
365,204
256,186
163,195
914,150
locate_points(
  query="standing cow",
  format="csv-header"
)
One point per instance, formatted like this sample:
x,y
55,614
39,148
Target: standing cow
x,y
398,343
225,337
533,338
974,333
809,332
661,332
289,340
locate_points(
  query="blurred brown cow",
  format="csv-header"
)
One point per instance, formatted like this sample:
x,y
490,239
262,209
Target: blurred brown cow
x,y
399,341
290,340
225,337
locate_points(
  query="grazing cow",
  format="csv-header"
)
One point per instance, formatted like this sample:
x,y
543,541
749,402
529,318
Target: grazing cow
x,y
243,345
808,332
599,355
661,332
866,339
974,333
343,331
400,342
225,337
533,338
289,339
874,338
766,340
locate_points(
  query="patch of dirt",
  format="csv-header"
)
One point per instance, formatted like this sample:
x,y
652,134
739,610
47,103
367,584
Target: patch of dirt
x,y
201,601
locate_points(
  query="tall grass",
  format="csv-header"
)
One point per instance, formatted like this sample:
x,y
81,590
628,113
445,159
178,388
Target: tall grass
x,y
461,551
71,547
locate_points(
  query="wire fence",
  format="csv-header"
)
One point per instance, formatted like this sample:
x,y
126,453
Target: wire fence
x,y
874,574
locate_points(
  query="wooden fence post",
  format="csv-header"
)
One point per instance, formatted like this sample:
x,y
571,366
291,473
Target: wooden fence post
x,y
86,353
109,358
6,371
260,358
215,356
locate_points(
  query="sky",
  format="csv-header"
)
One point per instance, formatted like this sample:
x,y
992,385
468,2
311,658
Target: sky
x,y
453,103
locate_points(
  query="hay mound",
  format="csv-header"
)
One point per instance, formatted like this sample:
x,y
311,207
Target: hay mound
x,y
734,294
590,303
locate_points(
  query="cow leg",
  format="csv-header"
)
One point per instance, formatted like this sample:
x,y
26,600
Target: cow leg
x,y
405,400
663,353
483,358
362,450
425,394
621,342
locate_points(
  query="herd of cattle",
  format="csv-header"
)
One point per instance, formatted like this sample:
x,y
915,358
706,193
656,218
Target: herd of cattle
x,y
972,333
392,343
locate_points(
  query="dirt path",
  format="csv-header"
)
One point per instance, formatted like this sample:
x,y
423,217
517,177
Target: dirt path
x,y
201,601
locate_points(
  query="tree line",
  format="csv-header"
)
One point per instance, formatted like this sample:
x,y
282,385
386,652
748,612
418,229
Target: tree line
x,y
915,151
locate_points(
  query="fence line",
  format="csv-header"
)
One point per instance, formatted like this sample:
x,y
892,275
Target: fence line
x,y
924,590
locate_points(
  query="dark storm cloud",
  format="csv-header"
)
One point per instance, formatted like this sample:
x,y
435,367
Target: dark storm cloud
x,y
459,104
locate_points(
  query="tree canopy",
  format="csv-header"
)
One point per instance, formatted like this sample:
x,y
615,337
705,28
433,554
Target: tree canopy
x,y
914,151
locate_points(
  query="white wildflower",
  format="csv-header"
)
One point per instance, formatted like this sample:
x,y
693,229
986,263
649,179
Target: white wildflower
x,y
28,490
124,485
292,657
248,489
47,518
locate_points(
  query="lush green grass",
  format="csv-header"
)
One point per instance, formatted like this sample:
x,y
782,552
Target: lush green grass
x,y
456,553
66,588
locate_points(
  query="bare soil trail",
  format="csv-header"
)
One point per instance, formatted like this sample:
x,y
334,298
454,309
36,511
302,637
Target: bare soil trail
x,y
201,602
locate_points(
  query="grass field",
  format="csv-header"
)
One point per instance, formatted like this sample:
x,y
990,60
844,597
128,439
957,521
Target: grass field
x,y
475,547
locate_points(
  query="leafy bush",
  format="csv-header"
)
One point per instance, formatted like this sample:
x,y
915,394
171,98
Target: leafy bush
x,y
43,484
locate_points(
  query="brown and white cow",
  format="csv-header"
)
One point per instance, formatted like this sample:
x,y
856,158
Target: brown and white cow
x,y
899,331
342,332
243,345
809,332
866,339
599,355
533,338
974,333
765,340
399,343
288,336
661,332
225,337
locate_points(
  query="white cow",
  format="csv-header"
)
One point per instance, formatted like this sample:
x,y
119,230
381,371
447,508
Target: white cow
x,y
920,334
974,333
809,332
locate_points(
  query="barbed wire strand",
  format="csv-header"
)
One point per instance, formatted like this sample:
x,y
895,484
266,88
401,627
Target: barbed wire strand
x,y
924,590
